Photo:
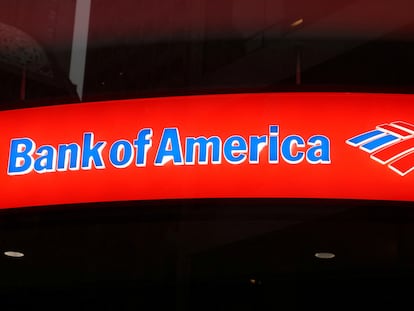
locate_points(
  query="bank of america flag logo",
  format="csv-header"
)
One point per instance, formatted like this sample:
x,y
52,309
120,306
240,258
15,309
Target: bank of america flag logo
x,y
389,144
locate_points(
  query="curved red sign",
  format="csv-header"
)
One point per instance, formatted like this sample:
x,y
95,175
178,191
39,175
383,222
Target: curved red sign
x,y
272,145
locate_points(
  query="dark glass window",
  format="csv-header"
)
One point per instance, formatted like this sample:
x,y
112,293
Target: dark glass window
x,y
227,254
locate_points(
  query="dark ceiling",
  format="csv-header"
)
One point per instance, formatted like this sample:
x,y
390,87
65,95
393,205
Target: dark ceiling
x,y
179,47
209,254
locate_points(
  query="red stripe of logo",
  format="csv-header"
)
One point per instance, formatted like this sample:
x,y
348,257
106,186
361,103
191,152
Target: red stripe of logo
x,y
403,165
394,130
404,125
394,151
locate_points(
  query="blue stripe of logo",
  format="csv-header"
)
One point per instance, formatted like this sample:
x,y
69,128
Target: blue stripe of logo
x,y
365,136
377,143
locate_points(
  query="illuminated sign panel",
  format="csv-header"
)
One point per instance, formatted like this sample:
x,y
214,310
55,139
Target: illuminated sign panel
x,y
303,145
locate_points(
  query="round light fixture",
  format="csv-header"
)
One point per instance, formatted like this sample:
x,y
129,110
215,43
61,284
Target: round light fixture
x,y
324,255
14,254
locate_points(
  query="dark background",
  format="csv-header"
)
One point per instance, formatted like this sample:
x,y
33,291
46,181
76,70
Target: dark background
x,y
250,254
179,47
207,254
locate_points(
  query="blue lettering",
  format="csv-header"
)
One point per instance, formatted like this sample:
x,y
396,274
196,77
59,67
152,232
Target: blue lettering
x,y
234,149
256,146
288,144
21,156
273,144
169,148
204,145
143,143
24,157
121,153
46,162
68,155
320,150
92,153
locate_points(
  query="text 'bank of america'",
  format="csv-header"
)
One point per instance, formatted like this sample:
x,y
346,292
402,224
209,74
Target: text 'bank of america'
x,y
26,156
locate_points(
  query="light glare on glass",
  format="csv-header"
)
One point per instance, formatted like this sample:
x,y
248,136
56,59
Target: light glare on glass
x,y
324,255
14,254
297,23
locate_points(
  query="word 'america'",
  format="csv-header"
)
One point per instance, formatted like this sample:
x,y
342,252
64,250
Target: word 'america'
x,y
25,156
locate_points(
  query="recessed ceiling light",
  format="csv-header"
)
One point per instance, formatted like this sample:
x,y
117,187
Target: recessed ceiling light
x,y
14,254
255,282
324,255
297,23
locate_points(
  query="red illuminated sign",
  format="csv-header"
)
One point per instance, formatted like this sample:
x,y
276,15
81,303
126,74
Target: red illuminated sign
x,y
276,145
